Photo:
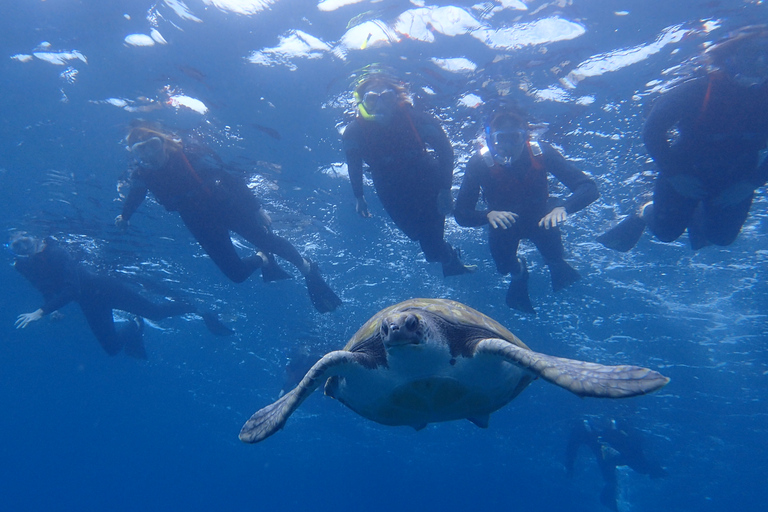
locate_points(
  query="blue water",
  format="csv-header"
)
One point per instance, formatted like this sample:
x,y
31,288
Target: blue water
x,y
83,431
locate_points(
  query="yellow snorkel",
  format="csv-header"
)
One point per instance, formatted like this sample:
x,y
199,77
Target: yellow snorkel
x,y
361,108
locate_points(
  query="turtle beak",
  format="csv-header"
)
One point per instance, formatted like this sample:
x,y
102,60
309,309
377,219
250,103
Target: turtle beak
x,y
402,329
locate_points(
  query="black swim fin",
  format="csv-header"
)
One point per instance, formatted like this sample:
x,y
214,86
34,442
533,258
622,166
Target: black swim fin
x,y
517,293
454,266
321,295
563,275
625,235
271,271
215,325
133,336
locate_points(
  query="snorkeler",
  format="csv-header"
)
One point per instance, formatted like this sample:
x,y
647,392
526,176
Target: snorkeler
x,y
411,163
212,203
613,444
61,279
705,136
511,172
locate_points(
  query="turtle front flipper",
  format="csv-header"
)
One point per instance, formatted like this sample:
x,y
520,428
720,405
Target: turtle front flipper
x,y
579,377
272,418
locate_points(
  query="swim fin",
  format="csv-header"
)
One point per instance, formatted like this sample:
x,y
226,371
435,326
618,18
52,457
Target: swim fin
x,y
133,336
563,275
625,235
454,266
271,271
214,325
321,295
517,294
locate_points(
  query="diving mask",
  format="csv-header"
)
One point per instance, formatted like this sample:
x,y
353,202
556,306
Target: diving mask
x,y
24,246
377,104
508,143
150,153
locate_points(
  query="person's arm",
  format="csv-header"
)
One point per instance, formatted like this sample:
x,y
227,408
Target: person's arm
x,y
54,273
434,136
465,212
583,189
354,157
136,195
684,100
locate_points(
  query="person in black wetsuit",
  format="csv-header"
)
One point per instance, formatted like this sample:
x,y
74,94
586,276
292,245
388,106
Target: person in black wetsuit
x,y
613,445
511,172
61,279
212,203
705,136
411,163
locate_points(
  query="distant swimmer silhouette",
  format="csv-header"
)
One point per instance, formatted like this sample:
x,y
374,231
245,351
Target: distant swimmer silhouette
x,y
61,279
510,170
613,444
212,203
411,162
706,136
430,360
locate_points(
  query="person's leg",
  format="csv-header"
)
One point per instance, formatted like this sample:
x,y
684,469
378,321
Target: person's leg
x,y
323,298
721,225
503,245
116,295
550,245
215,240
99,318
670,213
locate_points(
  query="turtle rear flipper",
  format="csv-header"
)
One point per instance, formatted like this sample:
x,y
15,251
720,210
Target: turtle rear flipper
x,y
272,418
578,377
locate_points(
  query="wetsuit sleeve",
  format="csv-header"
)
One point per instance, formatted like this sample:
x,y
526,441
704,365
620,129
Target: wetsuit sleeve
x,y
434,136
136,195
684,100
469,193
583,188
353,152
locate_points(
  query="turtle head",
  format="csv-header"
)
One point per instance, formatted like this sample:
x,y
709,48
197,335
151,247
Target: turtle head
x,y
405,328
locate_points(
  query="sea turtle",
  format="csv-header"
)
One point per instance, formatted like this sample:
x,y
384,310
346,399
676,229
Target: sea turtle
x,y
429,360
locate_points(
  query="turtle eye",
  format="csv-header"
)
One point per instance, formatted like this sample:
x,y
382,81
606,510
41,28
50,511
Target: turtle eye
x,y
411,323
384,329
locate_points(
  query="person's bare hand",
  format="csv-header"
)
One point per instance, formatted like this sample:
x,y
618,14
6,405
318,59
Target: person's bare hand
x,y
553,218
501,220
27,318
362,207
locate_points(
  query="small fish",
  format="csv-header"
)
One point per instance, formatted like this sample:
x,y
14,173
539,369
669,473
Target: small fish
x,y
193,73
269,131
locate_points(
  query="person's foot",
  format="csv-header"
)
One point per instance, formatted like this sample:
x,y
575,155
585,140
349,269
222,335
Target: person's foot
x,y
454,266
270,270
133,336
563,275
517,293
321,295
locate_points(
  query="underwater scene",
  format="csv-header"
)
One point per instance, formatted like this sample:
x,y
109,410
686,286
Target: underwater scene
x,y
410,255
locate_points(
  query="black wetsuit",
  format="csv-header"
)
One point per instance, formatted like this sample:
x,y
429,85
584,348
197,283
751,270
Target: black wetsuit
x,y
61,280
411,160
612,446
522,188
211,202
708,175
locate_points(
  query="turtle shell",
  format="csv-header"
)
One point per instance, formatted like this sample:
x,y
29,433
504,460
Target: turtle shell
x,y
452,312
